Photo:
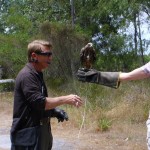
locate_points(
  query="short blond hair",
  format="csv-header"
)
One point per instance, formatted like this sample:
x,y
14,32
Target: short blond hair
x,y
35,46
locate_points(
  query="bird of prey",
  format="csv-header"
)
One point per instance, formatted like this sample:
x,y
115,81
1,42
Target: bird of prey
x,y
87,56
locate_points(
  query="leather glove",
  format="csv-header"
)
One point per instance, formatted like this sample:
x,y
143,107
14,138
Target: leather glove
x,y
60,114
110,79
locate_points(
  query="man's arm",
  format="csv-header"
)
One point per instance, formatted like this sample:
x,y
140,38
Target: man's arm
x,y
61,100
112,79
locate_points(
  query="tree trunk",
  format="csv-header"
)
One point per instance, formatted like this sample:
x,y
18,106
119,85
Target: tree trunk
x,y
72,12
135,33
140,39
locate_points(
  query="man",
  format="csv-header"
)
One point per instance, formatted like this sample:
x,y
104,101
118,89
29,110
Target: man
x,y
33,108
113,79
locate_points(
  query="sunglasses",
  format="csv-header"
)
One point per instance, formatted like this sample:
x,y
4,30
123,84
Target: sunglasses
x,y
44,53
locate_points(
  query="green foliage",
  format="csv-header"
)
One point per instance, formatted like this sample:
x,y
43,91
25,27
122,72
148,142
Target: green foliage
x,y
22,21
66,48
55,83
104,124
6,87
146,109
12,55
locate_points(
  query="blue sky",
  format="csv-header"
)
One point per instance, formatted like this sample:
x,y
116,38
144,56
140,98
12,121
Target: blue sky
x,y
145,29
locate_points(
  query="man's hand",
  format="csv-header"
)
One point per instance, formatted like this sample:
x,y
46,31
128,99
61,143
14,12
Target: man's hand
x,y
60,114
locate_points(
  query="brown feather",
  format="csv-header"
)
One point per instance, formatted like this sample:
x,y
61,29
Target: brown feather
x,y
87,56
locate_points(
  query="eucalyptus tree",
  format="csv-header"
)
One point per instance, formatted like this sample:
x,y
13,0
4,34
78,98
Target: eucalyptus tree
x,y
22,19
4,6
14,37
114,18
136,15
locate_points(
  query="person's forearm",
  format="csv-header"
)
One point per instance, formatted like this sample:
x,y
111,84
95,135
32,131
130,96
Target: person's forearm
x,y
71,99
54,102
136,74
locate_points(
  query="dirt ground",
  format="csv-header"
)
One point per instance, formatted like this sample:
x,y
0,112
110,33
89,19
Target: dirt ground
x,y
121,136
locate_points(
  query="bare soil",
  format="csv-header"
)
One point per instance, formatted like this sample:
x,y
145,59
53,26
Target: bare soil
x,y
121,136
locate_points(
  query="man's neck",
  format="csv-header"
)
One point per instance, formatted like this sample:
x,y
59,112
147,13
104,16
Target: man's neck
x,y
37,67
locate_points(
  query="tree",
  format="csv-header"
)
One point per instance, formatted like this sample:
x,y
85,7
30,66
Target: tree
x,y
109,18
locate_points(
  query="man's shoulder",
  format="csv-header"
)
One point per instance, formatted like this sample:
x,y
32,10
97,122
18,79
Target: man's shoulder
x,y
25,72
27,69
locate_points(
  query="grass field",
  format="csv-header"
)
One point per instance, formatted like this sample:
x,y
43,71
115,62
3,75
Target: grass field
x,y
110,119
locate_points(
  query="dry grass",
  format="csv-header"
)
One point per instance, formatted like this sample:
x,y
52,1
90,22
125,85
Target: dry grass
x,y
128,104
6,97
127,108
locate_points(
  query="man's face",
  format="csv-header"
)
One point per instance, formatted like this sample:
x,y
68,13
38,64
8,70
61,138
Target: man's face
x,y
43,58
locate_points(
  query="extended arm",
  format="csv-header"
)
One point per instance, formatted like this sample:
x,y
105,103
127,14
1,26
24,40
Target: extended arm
x,y
61,100
136,74
112,79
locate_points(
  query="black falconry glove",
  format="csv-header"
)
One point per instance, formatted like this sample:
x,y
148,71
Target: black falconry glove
x,y
60,114
110,79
